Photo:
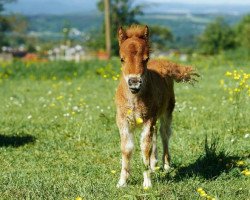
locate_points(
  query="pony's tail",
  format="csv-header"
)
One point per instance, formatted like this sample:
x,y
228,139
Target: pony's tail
x,y
180,73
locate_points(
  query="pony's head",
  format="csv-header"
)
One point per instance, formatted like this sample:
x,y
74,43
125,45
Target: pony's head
x,y
134,54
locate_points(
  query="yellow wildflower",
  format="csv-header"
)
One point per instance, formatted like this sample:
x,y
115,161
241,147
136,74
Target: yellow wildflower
x,y
236,90
246,76
113,171
209,197
228,73
246,172
139,120
203,194
129,112
242,82
199,189
79,198
237,77
59,97
240,163
146,188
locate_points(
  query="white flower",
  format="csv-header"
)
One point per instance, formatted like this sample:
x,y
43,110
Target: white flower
x,y
66,115
75,108
29,117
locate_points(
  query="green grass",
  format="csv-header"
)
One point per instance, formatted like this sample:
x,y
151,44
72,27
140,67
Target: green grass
x,y
59,140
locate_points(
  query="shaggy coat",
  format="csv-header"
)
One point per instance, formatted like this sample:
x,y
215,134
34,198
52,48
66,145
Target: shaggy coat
x,y
145,93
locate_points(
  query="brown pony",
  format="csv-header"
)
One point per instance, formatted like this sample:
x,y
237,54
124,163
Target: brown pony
x,y
145,93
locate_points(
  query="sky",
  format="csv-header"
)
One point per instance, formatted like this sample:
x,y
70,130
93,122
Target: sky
x,y
31,7
241,2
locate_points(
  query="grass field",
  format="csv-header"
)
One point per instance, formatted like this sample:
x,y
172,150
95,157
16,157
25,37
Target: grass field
x,y
59,140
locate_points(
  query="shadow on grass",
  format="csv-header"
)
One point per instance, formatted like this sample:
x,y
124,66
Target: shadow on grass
x,y
210,165
15,140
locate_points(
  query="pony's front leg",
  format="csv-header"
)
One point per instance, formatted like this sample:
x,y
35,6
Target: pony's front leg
x,y
127,146
146,149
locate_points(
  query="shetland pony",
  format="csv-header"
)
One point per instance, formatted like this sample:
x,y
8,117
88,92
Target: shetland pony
x,y
145,93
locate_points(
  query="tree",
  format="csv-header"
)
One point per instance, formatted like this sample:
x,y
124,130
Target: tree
x,y
160,36
217,36
4,23
122,13
243,32
18,29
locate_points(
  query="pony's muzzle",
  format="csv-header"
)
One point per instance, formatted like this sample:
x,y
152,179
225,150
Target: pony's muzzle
x,y
134,84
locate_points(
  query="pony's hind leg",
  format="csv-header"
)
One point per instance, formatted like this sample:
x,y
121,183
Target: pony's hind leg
x,y
153,156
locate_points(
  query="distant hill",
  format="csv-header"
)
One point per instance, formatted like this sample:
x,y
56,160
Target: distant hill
x,y
185,27
201,8
46,18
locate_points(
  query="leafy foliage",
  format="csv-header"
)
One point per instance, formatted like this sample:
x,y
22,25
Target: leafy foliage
x,y
4,23
243,32
217,36
160,36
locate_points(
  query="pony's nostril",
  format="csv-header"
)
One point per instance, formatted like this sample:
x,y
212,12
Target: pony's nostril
x,y
130,82
134,81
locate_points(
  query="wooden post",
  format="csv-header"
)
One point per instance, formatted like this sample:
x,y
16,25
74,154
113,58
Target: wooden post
x,y
107,28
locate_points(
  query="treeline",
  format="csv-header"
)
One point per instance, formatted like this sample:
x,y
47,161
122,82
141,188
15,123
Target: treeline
x,y
218,36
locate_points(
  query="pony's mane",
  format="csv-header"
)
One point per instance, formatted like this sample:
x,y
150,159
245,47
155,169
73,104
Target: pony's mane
x,y
135,31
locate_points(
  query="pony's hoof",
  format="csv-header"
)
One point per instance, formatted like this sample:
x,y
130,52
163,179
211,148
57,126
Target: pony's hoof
x,y
147,183
121,184
167,167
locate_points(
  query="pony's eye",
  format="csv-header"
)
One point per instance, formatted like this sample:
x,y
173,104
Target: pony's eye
x,y
122,60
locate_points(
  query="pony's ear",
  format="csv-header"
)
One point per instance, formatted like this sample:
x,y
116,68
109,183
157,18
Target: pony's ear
x,y
121,36
146,33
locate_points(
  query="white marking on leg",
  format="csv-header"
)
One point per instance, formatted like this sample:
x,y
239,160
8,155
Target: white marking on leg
x,y
146,179
144,135
127,146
